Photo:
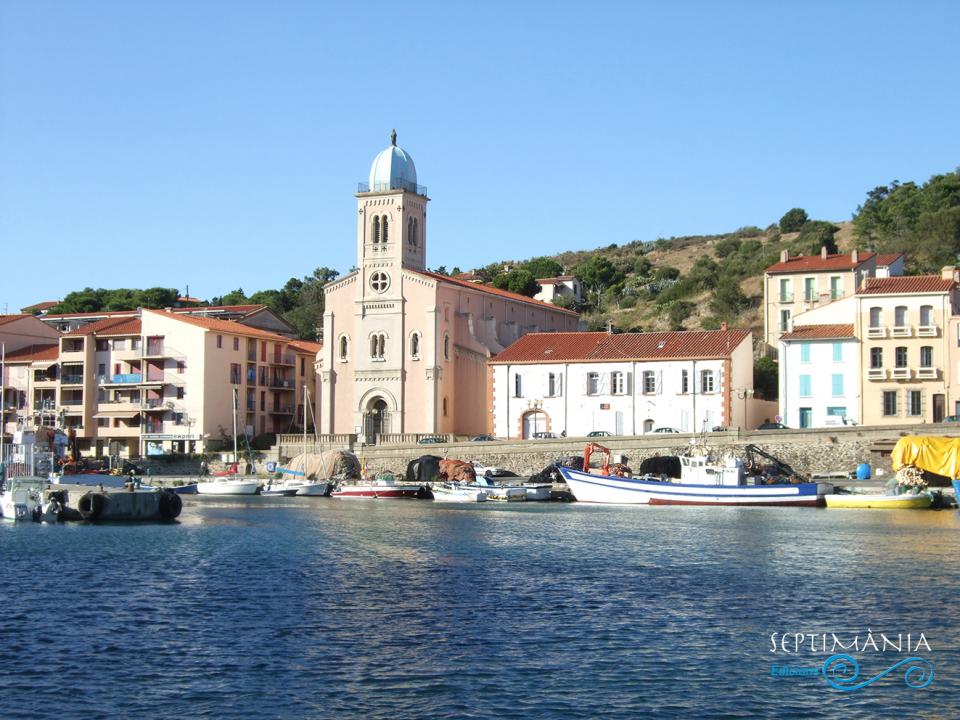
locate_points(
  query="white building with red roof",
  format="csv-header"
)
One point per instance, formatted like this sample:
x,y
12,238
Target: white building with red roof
x,y
406,349
625,384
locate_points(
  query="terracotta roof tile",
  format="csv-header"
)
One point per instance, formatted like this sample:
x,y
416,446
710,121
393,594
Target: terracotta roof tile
x,y
224,326
4,319
884,259
108,326
39,306
602,346
905,284
242,309
306,346
815,263
494,291
819,332
34,352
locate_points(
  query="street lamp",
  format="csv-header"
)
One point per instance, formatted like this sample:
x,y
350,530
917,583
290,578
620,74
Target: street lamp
x,y
743,394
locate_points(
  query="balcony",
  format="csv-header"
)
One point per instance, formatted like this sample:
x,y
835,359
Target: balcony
x,y
283,384
121,379
287,359
928,331
928,373
879,331
72,379
118,406
282,410
902,331
394,184
901,373
786,297
122,431
155,404
877,374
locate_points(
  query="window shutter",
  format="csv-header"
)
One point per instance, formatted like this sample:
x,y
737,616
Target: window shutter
x,y
626,382
659,386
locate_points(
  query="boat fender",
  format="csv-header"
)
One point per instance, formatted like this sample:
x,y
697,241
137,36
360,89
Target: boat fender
x,y
170,505
91,505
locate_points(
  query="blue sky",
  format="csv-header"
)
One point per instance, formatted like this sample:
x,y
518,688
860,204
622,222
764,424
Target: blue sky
x,y
218,144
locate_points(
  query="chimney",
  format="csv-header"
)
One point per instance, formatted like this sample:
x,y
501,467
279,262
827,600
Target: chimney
x,y
609,327
784,255
855,257
723,326
823,252
949,273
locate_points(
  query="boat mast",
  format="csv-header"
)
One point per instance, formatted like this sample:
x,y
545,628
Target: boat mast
x,y
236,459
305,431
3,410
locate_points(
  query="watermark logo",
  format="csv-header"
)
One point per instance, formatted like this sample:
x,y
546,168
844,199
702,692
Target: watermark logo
x,y
841,670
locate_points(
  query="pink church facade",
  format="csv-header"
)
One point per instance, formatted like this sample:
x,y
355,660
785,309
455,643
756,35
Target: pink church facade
x,y
406,350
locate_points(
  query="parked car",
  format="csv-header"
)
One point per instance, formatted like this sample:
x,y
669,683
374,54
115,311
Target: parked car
x,y
542,435
489,470
431,440
665,430
772,426
483,438
600,433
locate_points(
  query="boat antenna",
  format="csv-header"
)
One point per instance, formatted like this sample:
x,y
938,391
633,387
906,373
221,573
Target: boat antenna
x,y
235,458
3,408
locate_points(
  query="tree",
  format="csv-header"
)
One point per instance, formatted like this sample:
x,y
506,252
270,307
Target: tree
x,y
666,272
234,297
543,267
766,378
793,220
596,274
518,280
643,267
728,300
817,234
679,311
441,270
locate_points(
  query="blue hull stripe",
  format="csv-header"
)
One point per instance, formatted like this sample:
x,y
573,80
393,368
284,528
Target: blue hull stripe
x,y
645,486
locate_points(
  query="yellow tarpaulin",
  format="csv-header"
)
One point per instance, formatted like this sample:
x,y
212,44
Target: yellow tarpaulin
x,y
938,455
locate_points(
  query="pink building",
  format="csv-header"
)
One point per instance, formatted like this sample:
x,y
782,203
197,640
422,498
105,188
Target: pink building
x,y
406,350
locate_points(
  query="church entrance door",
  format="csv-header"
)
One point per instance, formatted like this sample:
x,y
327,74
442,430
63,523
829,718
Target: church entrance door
x,y
376,420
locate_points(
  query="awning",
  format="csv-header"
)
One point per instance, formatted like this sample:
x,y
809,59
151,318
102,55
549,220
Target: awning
x,y
117,414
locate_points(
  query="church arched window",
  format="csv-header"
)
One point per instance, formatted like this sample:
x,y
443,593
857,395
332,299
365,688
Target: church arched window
x,y
378,343
344,348
446,347
386,235
379,282
376,230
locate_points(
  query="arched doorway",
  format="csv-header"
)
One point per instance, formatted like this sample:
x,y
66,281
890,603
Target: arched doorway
x,y
376,419
533,422
647,426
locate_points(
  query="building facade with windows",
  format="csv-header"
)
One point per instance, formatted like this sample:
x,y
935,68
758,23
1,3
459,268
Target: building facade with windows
x,y
406,349
25,341
907,348
801,283
625,384
164,382
820,376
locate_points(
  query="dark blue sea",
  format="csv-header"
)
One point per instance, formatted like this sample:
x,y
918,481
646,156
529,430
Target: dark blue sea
x,y
327,608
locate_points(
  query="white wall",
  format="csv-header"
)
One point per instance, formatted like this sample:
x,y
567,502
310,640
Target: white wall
x,y
820,368
577,413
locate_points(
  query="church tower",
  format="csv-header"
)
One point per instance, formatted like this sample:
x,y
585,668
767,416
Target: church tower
x,y
391,232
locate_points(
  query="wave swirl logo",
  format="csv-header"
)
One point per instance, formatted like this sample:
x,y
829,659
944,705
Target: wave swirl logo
x,y
843,672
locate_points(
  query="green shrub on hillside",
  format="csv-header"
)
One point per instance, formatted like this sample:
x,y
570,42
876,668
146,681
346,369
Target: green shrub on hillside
x,y
793,220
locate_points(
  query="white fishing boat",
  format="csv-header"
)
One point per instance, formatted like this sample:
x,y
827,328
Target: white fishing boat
x,y
499,492
458,493
702,481
21,498
309,488
277,490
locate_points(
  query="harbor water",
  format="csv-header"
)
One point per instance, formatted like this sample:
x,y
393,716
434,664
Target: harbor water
x,y
325,608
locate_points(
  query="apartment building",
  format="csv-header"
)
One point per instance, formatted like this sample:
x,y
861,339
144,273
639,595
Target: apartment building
x,y
801,283
626,384
896,339
23,338
165,382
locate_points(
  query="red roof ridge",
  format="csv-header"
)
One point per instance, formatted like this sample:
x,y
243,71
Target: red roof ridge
x,y
815,263
493,291
34,352
905,284
108,326
821,331
224,326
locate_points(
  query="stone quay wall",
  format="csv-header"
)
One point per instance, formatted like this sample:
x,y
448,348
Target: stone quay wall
x,y
822,450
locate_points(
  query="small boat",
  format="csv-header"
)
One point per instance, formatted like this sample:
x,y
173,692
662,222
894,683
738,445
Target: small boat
x,y
458,493
309,488
229,486
501,492
277,491
876,501
188,489
384,487
21,498
701,482
939,456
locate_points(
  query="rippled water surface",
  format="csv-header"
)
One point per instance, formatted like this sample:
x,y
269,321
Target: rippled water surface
x,y
315,607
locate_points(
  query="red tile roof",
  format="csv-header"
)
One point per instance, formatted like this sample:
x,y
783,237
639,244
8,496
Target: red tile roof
x,y
819,332
34,352
602,346
242,309
816,263
306,346
905,284
109,326
224,326
494,291
885,259
4,319
39,306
